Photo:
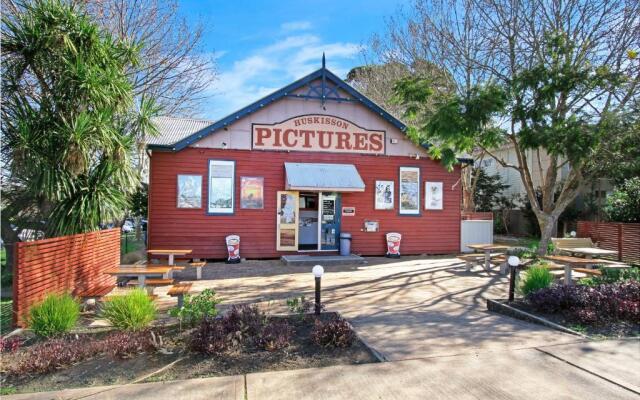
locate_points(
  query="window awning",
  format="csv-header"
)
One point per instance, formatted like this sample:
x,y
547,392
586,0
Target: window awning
x,y
325,177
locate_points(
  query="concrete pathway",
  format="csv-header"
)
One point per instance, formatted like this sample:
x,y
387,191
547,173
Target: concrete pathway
x,y
516,374
617,361
408,308
223,388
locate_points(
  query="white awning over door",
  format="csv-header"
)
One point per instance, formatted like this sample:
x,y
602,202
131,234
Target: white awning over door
x,y
323,177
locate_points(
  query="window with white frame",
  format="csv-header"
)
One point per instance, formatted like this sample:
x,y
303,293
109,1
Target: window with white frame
x,y
221,186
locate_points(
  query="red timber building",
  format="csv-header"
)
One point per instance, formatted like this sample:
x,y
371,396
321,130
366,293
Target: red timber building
x,y
292,171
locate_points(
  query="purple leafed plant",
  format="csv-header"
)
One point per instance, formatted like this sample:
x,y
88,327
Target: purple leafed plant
x,y
9,345
55,353
210,337
333,333
275,336
591,305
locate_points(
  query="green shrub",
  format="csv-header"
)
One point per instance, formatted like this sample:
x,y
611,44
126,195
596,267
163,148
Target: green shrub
x,y
133,311
56,314
612,275
299,305
198,307
536,278
623,205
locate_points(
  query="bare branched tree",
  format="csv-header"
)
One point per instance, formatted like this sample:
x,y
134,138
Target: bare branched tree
x,y
445,34
496,41
174,69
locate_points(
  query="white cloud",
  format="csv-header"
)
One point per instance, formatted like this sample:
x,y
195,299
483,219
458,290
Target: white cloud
x,y
273,66
295,26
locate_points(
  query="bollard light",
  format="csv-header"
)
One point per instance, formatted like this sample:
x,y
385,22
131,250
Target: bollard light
x,y
573,234
318,271
513,262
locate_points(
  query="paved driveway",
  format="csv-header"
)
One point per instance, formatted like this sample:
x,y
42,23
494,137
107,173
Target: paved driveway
x,y
409,308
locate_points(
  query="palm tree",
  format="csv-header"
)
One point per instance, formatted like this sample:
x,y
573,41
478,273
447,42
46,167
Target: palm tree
x,y
67,120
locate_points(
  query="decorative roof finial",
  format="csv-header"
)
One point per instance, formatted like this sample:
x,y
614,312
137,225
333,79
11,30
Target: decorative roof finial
x,y
323,61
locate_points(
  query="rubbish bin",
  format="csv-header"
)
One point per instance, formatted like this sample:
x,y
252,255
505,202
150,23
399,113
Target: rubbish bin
x,y
345,244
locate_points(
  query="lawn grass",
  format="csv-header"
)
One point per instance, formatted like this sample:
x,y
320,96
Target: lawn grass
x,y
128,243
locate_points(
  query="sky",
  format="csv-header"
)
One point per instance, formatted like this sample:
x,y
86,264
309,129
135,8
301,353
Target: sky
x,y
261,46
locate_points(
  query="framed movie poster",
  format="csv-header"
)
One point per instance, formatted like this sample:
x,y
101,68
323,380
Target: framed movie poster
x,y
409,190
433,195
252,192
189,191
384,195
221,191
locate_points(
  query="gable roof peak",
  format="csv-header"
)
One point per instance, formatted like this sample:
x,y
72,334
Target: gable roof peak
x,y
323,93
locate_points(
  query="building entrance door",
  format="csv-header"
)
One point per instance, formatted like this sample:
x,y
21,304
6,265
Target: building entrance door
x,y
287,221
329,216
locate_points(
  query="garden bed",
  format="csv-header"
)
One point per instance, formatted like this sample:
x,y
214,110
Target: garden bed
x,y
104,369
607,306
610,330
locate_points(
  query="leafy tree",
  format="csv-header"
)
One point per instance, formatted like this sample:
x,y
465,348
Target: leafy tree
x,y
623,205
619,151
488,191
556,76
66,121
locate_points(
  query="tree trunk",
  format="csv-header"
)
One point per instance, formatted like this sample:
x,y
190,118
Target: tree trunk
x,y
548,228
467,200
468,204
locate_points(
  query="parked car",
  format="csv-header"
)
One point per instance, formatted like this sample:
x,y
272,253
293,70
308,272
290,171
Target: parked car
x,y
127,227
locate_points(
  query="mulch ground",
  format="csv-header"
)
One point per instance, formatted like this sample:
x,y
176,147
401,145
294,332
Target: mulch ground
x,y
610,330
105,370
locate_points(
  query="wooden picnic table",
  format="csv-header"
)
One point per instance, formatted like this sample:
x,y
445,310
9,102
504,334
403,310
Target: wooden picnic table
x,y
570,263
169,252
487,248
589,252
141,272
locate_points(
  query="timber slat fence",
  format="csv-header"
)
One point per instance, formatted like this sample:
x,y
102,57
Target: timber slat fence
x,y
621,237
64,264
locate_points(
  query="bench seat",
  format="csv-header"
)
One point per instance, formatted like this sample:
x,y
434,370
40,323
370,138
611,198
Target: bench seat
x,y
95,292
587,271
173,267
179,290
198,266
572,243
152,282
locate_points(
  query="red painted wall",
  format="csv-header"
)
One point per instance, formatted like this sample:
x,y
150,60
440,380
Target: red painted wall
x,y
433,232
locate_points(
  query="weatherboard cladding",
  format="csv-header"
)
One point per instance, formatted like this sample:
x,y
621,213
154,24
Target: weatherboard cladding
x,y
433,232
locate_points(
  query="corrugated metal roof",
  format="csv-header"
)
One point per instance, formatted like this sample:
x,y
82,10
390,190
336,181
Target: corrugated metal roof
x,y
313,176
172,130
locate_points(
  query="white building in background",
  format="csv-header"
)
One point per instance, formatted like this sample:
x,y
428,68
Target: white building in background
x,y
511,176
595,192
